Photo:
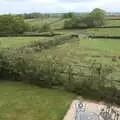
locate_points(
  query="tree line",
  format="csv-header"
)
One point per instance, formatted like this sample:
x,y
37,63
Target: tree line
x,y
15,24
93,19
12,24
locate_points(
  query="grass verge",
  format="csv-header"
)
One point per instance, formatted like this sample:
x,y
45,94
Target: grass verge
x,y
20,101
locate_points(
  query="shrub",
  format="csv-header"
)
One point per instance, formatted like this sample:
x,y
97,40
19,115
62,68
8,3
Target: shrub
x,y
52,73
16,66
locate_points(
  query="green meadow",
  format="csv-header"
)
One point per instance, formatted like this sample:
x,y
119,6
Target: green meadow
x,y
44,69
20,101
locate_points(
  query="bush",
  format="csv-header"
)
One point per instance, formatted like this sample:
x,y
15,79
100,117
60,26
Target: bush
x,y
16,66
52,73
10,24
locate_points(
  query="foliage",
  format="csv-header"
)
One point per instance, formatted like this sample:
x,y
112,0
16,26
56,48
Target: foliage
x,y
68,15
15,66
93,19
96,18
74,22
45,28
34,15
52,73
42,28
51,43
10,24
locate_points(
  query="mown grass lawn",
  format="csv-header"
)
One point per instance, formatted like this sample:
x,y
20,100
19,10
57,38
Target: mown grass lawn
x,y
20,101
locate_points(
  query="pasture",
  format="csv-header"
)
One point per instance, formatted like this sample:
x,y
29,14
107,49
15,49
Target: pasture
x,y
85,51
104,31
80,51
112,23
17,42
62,61
55,23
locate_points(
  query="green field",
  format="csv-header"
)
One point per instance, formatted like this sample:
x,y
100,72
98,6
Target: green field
x,y
20,101
104,31
39,22
114,17
84,51
16,42
112,23
27,102
55,23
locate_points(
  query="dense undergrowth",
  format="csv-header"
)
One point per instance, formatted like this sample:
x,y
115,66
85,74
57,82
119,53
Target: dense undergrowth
x,y
92,81
16,65
56,41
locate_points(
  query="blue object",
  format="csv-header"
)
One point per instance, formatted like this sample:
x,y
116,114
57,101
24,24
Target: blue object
x,y
81,114
86,116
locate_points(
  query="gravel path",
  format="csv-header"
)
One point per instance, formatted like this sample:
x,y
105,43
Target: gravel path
x,y
91,106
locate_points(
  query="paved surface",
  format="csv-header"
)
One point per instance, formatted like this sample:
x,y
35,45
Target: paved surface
x,y
91,107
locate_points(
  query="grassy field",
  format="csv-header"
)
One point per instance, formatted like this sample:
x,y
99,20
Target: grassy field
x,y
26,102
16,42
113,17
55,23
112,23
39,22
104,31
85,51
84,45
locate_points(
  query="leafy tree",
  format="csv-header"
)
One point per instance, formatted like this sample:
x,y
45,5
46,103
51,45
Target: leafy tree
x,y
10,24
74,22
97,17
93,19
68,15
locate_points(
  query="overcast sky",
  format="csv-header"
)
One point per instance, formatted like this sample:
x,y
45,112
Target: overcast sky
x,y
57,6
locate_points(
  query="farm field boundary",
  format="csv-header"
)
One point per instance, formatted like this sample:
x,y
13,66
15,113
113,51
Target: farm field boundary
x,y
51,43
29,35
105,37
